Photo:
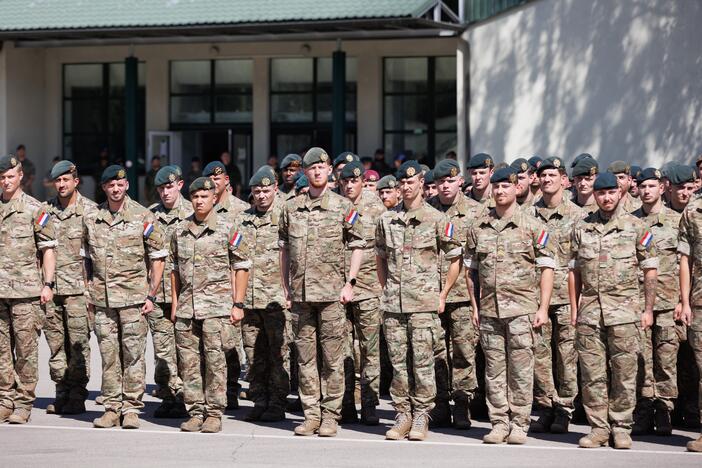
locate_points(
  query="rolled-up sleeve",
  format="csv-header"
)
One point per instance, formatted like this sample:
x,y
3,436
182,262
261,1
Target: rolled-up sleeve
x,y
470,259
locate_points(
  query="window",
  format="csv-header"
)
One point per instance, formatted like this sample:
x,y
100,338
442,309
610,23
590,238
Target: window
x,y
206,92
301,104
419,107
93,113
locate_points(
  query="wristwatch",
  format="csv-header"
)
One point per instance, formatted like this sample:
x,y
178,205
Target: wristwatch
x,y
239,305
152,299
352,281
50,284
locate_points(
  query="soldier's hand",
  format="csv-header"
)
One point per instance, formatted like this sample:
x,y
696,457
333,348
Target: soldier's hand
x,y
147,308
346,295
646,320
685,314
573,316
540,318
46,295
442,304
237,315
476,318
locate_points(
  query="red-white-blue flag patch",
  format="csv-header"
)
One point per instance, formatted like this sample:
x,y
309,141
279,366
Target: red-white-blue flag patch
x,y
352,217
43,219
148,229
448,230
542,240
646,239
236,239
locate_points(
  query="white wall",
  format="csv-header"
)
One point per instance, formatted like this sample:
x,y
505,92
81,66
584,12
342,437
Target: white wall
x,y
621,79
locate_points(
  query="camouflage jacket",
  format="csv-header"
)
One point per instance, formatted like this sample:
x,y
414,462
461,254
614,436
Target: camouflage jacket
x,y
664,227
589,208
487,201
204,255
608,254
559,222
231,206
369,208
410,242
629,203
690,244
506,253
261,230
315,231
462,213
26,228
168,221
118,246
71,250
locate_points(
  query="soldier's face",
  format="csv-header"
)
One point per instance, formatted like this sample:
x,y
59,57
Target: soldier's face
x,y
534,179
390,197
607,199
551,181
481,177
66,185
448,187
170,192
352,187
634,188
221,181
10,181
624,182
681,193
116,190
318,174
337,171
650,191
263,196
289,172
430,190
523,182
411,187
203,201
370,185
504,193
583,184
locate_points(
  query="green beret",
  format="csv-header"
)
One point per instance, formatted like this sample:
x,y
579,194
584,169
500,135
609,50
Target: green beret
x,y
553,162
408,169
114,172
520,165
345,158
201,183
302,182
429,178
605,181
313,156
585,167
635,171
425,168
534,162
504,174
619,167
579,158
61,168
481,160
352,169
292,159
649,173
387,182
264,177
214,168
680,174
447,168
8,162
166,175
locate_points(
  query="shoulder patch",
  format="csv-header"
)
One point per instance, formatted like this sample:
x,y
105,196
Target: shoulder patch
x,y
352,217
236,239
646,239
43,219
542,240
148,229
448,230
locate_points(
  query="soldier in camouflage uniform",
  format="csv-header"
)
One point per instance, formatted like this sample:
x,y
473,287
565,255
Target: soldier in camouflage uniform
x,y
208,283
266,325
408,242
124,246
509,244
584,173
314,228
555,394
68,322
229,206
622,171
534,163
171,210
290,168
659,388
480,168
682,186
525,197
26,234
607,249
364,310
388,192
457,319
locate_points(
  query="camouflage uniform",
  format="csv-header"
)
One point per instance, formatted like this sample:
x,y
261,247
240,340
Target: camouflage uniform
x,y
203,258
630,203
118,245
22,237
68,324
510,249
589,208
606,253
314,231
412,244
559,221
162,329
266,325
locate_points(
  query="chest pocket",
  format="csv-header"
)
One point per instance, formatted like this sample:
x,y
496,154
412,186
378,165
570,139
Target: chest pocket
x,y
74,239
589,246
130,236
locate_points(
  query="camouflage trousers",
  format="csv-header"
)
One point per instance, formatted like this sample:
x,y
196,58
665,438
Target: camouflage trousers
x,y
233,348
695,338
165,356
121,335
201,352
508,345
365,328
559,390
658,373
323,324
265,334
454,354
410,339
609,398
20,326
67,330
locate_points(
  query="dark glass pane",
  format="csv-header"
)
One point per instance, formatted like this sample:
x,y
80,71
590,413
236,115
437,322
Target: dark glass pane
x,y
406,112
411,145
324,75
190,109
116,116
324,107
190,76
292,74
292,143
83,81
83,116
291,108
406,75
84,150
235,108
117,78
445,72
443,143
233,76
445,106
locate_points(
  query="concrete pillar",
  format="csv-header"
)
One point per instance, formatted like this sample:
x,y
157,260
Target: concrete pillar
x,y
338,101
463,101
369,104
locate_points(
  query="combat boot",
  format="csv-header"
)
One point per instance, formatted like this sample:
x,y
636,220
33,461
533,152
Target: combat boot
x,y
440,415
5,413
420,427
498,435
130,421
273,414
461,415
57,406
19,416
401,428
695,445
643,418
622,441
108,419
561,421
596,438
543,424
211,425
308,427
517,436
194,424
663,424
100,400
328,427
255,414
73,407
368,416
